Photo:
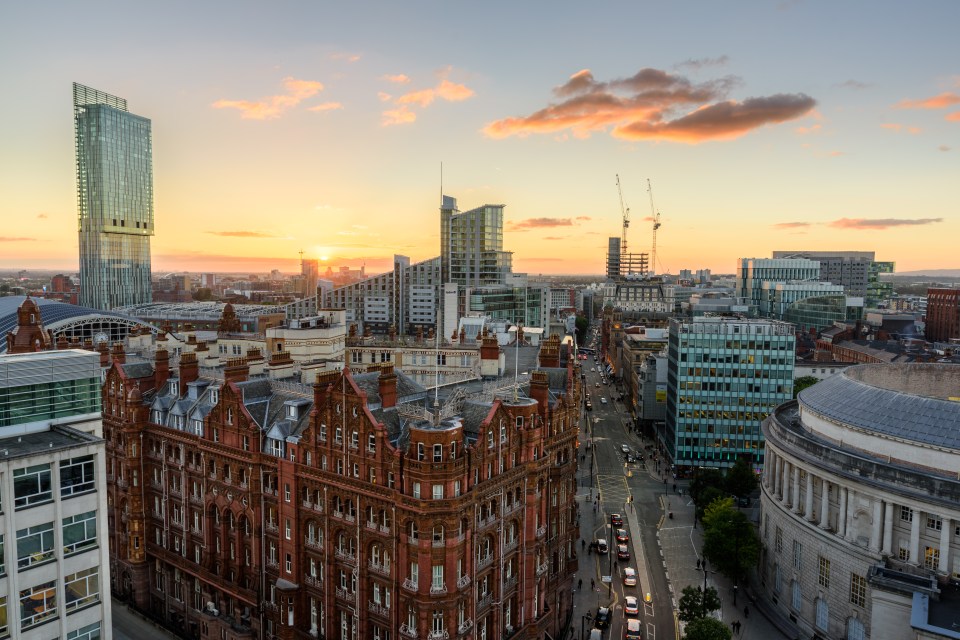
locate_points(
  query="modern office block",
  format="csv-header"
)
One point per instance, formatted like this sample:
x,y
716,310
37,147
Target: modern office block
x,y
114,153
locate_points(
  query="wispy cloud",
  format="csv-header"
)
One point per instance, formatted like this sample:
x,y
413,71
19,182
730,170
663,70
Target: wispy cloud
x,y
952,117
400,78
540,223
790,225
653,105
879,224
275,106
895,126
326,106
241,234
349,57
805,131
695,64
942,101
42,216
856,85
585,218
445,90
554,237
16,239
383,96
943,147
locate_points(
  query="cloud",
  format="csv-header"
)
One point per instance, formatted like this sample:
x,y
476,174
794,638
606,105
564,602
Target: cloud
x,y
42,216
879,224
803,131
837,154
790,225
941,101
893,126
384,96
403,115
583,218
349,57
952,117
695,64
653,105
943,147
554,238
540,223
326,106
273,106
444,90
854,84
400,78
16,239
241,234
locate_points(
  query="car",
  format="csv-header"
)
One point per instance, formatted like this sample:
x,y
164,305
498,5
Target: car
x,y
616,519
601,545
624,448
632,630
596,634
589,406
629,577
744,501
623,552
597,384
602,619
622,536
603,400
631,606
592,369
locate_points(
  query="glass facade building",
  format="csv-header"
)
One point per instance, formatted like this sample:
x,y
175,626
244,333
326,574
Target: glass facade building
x,y
114,153
724,376
471,245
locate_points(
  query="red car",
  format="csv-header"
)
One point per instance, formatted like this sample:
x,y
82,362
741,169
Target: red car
x,y
616,519
622,536
623,553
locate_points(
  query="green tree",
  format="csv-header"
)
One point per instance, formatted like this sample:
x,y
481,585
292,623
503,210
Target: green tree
x,y
740,480
695,603
704,479
729,539
582,325
707,497
802,383
707,629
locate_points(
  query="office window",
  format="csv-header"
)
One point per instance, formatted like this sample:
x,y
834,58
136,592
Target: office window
x,y
855,629
934,523
31,486
858,590
34,545
416,490
82,588
80,532
824,575
38,604
931,557
797,596
76,476
438,453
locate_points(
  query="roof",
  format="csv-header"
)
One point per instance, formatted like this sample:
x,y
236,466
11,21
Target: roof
x,y
905,401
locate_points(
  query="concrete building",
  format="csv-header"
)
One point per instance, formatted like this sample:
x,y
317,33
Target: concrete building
x,y
114,152
858,272
861,504
640,296
55,559
753,272
943,315
725,375
651,403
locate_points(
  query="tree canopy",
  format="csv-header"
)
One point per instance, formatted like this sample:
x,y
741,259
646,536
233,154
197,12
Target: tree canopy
x,y
740,480
707,629
730,542
694,603
802,383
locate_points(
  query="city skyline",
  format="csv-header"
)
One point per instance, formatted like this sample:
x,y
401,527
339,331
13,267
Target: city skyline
x,y
818,127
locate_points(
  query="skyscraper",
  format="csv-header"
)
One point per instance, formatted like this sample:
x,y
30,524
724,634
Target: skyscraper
x,y
115,195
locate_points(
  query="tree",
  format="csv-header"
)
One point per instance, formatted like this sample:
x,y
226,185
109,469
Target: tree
x,y
802,383
694,603
707,629
740,480
729,539
707,497
582,325
702,480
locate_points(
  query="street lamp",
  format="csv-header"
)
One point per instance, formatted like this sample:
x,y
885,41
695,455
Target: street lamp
x,y
584,617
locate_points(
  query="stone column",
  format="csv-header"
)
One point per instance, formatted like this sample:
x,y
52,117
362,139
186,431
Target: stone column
x,y
876,532
824,504
946,532
795,500
915,538
777,466
770,469
785,483
808,506
887,527
842,514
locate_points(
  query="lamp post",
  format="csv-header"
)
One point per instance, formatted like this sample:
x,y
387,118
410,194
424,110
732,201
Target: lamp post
x,y
583,618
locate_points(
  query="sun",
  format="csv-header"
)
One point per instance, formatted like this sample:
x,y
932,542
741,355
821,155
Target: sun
x,y
324,258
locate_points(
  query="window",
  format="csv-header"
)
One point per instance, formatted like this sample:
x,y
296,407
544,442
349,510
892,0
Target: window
x,y
31,486
416,490
797,552
338,435
436,580
779,540
82,588
854,629
906,514
76,476
3,566
286,528
438,492
80,532
456,488
372,443
288,563
438,453
935,523
778,579
823,614
38,604
796,595
34,545
414,573
824,575
858,590
931,557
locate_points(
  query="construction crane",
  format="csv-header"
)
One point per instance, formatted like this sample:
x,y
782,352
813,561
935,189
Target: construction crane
x,y
626,219
655,216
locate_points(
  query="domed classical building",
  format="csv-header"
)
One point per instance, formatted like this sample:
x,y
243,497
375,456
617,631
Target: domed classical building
x,y
861,504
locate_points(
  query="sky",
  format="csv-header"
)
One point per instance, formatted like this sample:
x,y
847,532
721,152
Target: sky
x,y
322,127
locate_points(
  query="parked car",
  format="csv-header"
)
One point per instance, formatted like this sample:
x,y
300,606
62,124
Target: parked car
x,y
616,519
631,606
632,630
603,400
602,545
623,552
629,577
602,619
624,448
589,406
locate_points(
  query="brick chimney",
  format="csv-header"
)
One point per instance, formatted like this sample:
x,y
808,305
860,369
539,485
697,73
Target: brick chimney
x,y
104,352
550,353
236,370
540,390
119,356
189,371
321,388
388,386
161,369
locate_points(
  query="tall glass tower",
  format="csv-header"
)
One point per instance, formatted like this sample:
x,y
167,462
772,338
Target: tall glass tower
x,y
115,194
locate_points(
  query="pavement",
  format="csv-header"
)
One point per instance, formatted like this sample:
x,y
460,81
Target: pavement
x,y
131,625
664,550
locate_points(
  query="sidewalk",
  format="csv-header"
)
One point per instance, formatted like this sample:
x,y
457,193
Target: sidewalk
x,y
680,547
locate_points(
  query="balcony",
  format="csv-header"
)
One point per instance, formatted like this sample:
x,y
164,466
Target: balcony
x,y
195,499
483,563
483,524
313,581
272,527
484,602
407,631
465,626
510,584
175,491
511,545
463,581
460,538
307,504
385,529
350,517
270,606
438,589
541,569
371,525
344,594
439,543
345,555
443,634
382,569
541,531
313,543
337,514
512,508
410,585
378,609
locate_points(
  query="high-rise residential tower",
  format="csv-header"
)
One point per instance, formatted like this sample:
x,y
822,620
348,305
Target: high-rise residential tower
x,y
115,195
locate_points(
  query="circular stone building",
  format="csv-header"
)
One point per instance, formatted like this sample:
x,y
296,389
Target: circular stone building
x,y
861,504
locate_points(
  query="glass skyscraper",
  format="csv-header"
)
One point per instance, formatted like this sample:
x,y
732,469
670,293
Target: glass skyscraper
x,y
115,195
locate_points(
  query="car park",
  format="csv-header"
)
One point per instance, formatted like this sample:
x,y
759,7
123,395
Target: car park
x,y
623,552
629,577
622,537
631,606
602,619
601,545
616,519
632,630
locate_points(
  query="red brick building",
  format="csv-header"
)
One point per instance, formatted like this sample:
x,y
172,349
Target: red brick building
x,y
943,315
249,508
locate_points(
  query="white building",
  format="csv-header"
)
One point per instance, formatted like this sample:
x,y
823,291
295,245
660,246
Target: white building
x,y
861,504
54,569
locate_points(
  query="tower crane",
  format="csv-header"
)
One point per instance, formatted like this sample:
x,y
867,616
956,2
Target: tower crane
x,y
655,216
626,219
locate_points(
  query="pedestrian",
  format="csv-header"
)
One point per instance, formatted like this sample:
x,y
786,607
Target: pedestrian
x,y
698,564
738,627
583,543
580,583
593,585
746,612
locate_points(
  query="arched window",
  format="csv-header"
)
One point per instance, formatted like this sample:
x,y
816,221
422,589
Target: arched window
x,y
823,615
438,534
796,595
854,629
412,531
778,579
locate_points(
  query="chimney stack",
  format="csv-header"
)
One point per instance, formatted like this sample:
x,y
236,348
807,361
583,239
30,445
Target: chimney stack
x,y
161,369
119,356
236,370
104,352
189,370
388,386
540,390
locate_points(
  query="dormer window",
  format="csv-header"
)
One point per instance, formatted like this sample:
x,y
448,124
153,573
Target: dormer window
x,y
292,412
174,389
214,396
230,416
